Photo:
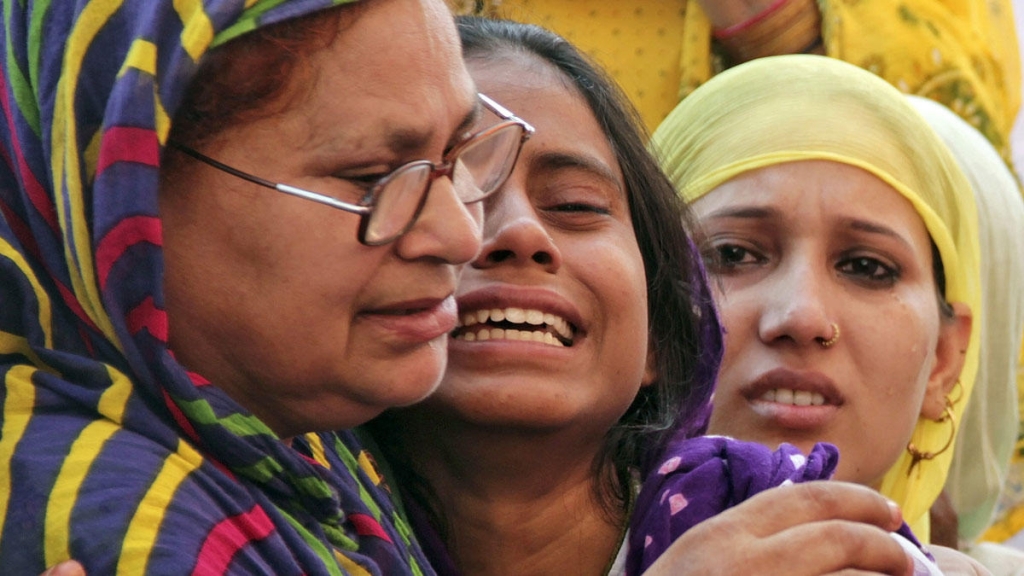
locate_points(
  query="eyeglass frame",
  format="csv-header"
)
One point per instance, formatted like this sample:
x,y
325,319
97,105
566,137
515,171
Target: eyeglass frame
x,y
365,211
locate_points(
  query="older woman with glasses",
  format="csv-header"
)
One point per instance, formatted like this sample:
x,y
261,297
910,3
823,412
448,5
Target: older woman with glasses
x,y
177,343
393,203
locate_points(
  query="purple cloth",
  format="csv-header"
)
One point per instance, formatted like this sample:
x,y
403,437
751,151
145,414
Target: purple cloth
x,y
701,477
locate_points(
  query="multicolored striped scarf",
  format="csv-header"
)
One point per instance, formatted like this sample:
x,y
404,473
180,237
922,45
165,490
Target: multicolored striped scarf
x,y
110,451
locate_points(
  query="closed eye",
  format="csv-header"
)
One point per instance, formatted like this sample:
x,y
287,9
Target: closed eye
x,y
580,207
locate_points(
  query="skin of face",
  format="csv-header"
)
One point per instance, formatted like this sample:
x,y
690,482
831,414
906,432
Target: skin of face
x,y
794,248
558,238
272,297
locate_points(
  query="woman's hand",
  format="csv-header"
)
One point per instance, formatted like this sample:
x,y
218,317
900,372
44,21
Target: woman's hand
x,y
952,562
799,530
65,568
726,13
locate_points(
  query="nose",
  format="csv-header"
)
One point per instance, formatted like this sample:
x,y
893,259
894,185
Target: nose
x,y
446,229
795,304
514,234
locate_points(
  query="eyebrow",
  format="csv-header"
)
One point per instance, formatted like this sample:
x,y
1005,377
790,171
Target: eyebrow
x,y
763,213
873,228
559,160
746,212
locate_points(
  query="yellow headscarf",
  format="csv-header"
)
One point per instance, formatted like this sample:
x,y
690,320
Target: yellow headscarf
x,y
800,107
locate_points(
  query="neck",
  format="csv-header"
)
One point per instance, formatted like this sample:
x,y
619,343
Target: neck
x,y
515,502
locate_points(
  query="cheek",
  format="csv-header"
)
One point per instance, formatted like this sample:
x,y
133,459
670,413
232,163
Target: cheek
x,y
901,338
739,320
613,273
895,356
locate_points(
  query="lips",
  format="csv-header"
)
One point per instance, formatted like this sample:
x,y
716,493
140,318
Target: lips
x,y
416,320
794,400
514,323
796,388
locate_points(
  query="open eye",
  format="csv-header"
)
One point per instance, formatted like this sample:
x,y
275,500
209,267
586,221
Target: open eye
x,y
724,257
870,270
362,181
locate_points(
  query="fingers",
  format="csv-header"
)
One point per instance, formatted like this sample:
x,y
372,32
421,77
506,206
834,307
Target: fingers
x,y
843,547
775,510
66,568
857,573
829,528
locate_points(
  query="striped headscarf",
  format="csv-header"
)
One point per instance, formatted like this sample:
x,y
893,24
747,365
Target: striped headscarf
x,y
799,107
110,452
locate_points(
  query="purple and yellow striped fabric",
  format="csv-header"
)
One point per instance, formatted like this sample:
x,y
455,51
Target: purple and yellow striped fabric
x,y
110,452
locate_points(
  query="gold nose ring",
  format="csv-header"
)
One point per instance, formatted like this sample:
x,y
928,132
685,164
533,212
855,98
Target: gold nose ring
x,y
831,341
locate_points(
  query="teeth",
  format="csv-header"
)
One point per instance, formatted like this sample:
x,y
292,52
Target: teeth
x,y
515,315
510,334
793,397
518,316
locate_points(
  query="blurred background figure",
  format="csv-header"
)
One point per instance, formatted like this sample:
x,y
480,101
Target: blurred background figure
x,y
962,53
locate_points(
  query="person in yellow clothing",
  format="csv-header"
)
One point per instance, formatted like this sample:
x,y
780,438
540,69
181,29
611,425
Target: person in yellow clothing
x,y
962,53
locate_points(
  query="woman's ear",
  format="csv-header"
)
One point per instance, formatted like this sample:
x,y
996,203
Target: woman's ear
x,y
950,354
650,369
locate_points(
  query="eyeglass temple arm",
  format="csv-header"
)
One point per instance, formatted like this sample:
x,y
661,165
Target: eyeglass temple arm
x,y
284,188
220,165
498,109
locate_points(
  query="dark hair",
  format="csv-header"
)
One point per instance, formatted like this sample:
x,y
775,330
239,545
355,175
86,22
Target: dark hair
x,y
683,328
939,273
255,75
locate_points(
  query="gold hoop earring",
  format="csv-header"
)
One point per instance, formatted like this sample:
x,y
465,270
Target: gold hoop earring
x,y
916,455
831,341
959,396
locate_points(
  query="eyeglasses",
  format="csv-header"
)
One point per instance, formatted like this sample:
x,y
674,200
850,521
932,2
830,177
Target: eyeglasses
x,y
477,167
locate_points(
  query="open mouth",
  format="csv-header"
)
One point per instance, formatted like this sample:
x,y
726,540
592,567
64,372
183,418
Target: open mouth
x,y
521,324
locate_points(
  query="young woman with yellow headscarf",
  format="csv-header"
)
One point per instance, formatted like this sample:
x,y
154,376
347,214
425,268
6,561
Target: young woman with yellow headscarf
x,y
844,238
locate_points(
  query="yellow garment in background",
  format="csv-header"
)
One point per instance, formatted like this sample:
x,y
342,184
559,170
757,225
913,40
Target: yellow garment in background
x,y
637,43
799,107
1010,522
962,53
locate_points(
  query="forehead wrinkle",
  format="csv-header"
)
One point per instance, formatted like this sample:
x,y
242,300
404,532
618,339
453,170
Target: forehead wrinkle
x,y
471,117
744,212
405,140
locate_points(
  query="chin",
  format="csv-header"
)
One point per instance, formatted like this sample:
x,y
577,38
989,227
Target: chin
x,y
410,382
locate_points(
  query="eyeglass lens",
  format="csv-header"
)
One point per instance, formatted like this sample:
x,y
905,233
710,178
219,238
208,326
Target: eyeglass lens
x,y
480,168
